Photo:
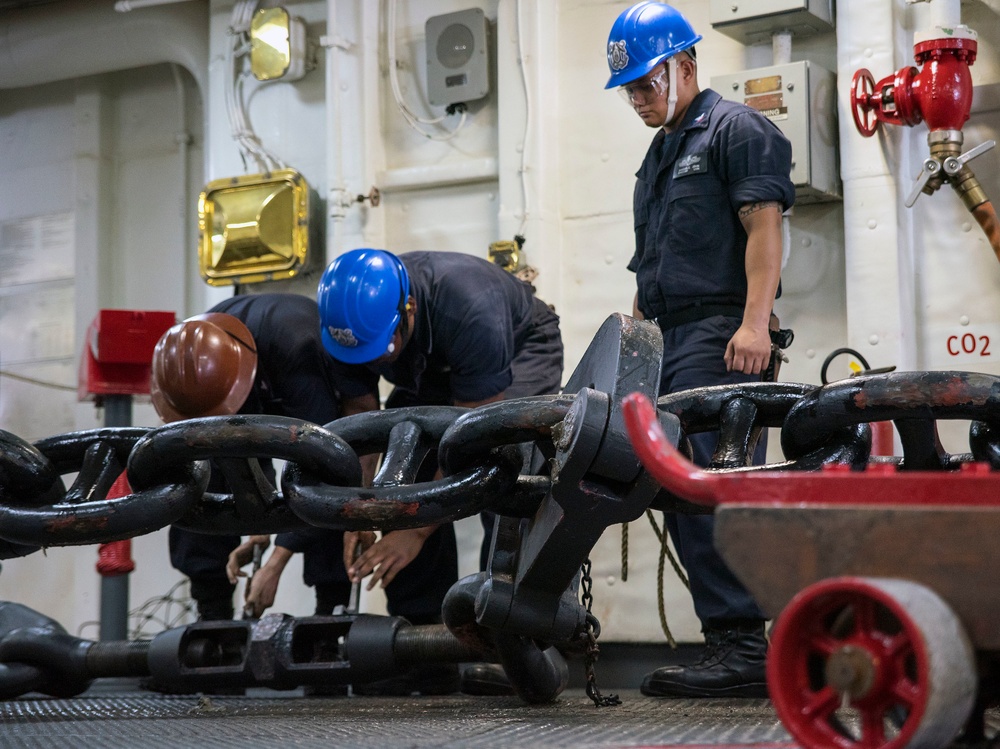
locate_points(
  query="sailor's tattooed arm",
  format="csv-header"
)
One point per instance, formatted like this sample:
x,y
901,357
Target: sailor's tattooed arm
x,y
749,208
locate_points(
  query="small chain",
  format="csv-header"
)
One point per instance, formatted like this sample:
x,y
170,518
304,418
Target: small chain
x,y
590,635
624,552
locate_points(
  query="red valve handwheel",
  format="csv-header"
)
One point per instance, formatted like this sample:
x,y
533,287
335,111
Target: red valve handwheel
x,y
862,108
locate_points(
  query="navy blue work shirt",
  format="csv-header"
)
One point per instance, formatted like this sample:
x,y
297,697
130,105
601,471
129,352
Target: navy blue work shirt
x,y
690,245
296,377
472,317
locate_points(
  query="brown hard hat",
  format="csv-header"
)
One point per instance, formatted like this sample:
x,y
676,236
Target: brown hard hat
x,y
203,366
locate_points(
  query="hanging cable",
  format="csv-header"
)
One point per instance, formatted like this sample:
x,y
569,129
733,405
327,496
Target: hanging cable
x,y
33,381
412,119
527,119
250,146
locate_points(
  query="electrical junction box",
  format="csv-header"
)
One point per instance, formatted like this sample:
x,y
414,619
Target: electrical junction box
x,y
753,21
457,57
801,99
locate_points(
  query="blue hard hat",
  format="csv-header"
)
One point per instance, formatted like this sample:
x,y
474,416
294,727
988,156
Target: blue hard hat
x,y
644,36
362,297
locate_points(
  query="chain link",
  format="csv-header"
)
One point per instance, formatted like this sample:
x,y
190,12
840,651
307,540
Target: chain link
x,y
912,400
818,425
168,470
479,452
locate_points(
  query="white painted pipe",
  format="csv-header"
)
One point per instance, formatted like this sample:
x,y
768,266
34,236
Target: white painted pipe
x,y
183,139
71,40
124,6
337,202
931,16
781,47
781,54
334,129
947,13
464,172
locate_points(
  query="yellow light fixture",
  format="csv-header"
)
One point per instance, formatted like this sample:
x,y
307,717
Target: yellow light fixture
x,y
509,255
253,228
277,45
506,253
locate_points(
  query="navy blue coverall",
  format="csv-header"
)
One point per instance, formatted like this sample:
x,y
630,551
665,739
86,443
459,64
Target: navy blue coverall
x,y
689,261
295,378
479,331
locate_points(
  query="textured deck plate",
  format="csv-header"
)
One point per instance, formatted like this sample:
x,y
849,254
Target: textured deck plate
x,y
110,719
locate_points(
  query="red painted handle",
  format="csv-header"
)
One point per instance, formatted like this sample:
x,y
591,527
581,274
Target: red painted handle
x,y
676,473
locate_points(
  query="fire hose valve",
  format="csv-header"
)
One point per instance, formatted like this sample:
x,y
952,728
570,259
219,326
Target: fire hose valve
x,y
940,94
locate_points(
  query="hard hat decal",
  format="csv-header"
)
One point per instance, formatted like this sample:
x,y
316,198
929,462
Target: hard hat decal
x,y
343,336
642,37
617,55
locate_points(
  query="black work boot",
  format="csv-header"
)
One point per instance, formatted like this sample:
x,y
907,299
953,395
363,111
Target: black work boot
x,y
213,610
732,665
486,680
214,598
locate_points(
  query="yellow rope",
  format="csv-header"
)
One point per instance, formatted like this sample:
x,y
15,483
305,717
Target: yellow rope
x,y
665,553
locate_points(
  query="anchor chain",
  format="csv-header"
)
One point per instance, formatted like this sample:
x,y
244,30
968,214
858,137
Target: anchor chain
x,y
481,453
168,470
557,469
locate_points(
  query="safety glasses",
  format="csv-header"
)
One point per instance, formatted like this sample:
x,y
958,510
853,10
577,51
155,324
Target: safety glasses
x,y
645,89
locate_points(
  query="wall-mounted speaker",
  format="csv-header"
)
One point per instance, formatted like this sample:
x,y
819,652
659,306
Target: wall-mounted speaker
x,y
457,57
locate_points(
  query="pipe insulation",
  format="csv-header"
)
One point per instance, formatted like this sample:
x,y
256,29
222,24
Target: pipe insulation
x,y
59,42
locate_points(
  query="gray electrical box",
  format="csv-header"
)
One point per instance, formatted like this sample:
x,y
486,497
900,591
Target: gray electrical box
x,y
457,57
801,99
753,21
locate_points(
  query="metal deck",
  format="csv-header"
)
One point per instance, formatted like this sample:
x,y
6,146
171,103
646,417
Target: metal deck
x,y
114,715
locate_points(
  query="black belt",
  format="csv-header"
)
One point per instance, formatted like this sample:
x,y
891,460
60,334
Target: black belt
x,y
698,312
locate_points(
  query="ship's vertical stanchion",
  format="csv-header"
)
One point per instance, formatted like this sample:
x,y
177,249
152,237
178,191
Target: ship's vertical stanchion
x,y
114,367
